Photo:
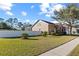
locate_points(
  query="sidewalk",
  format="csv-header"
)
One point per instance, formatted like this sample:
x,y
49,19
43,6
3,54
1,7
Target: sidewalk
x,y
62,50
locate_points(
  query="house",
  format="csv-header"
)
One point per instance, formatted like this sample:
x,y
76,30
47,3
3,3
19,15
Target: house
x,y
42,25
28,28
75,29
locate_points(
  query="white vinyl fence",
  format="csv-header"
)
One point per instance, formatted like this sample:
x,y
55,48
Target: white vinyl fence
x,y
11,33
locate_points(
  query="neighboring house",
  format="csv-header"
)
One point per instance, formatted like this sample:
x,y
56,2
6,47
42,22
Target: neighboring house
x,y
28,28
42,25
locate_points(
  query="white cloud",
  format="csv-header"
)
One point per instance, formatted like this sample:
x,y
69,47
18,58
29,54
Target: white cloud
x,y
46,5
55,22
43,7
9,13
27,20
58,7
6,6
49,8
48,15
24,13
32,6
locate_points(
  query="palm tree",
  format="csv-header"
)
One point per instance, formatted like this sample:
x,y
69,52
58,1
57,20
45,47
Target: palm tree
x,y
68,15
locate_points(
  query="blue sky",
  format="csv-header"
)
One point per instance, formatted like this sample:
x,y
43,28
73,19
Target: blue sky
x,y
29,12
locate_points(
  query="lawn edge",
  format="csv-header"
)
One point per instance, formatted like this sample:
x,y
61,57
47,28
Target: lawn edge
x,y
55,47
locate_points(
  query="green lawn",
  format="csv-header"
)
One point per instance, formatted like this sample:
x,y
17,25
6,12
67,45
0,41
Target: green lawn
x,y
75,52
32,46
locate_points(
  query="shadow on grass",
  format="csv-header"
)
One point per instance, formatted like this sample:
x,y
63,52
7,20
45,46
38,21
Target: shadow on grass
x,y
10,37
30,39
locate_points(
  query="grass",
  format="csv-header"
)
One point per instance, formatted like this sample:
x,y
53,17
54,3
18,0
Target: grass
x,y
75,52
31,47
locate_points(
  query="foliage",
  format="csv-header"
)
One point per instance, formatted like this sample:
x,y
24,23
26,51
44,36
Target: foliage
x,y
20,24
44,34
25,25
24,36
67,15
53,33
58,32
12,21
3,25
1,19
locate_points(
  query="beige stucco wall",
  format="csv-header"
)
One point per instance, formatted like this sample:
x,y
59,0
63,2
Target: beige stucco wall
x,y
51,27
40,26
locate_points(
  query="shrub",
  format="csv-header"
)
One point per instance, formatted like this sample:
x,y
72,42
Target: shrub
x,y
53,33
44,34
25,36
58,32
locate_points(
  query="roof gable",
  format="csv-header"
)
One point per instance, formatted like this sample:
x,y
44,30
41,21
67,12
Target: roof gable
x,y
43,21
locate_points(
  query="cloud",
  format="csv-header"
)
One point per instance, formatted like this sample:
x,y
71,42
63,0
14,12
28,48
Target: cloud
x,y
43,7
27,20
9,13
6,6
32,6
58,7
49,8
48,15
55,21
24,13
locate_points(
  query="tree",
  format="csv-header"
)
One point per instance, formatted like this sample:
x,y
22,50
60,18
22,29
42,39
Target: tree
x,y
67,15
3,25
20,24
1,19
26,25
12,21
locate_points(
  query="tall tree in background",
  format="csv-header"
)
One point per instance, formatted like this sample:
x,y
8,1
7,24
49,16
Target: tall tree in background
x,y
26,25
68,15
3,25
12,21
20,24
1,19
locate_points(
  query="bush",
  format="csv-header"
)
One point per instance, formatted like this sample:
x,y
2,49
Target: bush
x,y
25,36
52,33
44,34
58,32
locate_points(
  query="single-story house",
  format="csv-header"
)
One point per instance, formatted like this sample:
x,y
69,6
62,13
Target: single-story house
x,y
42,25
75,29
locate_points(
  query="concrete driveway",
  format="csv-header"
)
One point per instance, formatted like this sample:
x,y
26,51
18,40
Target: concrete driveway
x,y
62,50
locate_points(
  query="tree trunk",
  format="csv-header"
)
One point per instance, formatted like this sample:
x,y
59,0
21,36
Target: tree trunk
x,y
70,30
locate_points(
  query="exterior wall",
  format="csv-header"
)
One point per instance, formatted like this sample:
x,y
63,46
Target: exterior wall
x,y
74,31
40,26
51,27
7,33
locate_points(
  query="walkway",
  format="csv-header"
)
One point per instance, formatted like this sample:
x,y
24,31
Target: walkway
x,y
62,50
